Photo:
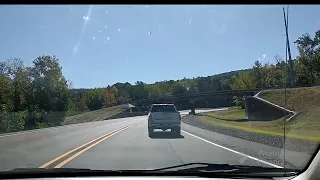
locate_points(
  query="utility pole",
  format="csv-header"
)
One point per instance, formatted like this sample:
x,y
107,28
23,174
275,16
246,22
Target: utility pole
x,y
288,48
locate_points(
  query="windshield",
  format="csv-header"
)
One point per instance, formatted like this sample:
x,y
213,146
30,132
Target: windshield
x,y
77,83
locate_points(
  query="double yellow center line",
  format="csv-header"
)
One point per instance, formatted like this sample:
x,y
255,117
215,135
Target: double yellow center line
x,y
85,147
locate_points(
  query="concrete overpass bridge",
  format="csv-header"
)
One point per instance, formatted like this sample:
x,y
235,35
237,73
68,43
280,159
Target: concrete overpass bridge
x,y
191,98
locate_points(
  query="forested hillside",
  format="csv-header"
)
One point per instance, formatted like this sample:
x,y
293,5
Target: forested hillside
x,y
40,96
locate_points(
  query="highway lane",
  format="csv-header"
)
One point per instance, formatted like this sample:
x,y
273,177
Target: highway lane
x,y
31,149
134,149
129,148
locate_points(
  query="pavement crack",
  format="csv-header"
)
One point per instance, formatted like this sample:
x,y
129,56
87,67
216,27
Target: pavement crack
x,y
174,152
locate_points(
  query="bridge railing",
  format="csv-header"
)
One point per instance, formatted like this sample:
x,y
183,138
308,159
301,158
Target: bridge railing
x,y
193,95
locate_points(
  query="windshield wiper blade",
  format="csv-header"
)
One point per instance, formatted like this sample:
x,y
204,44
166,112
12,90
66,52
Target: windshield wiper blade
x,y
50,170
208,167
68,170
47,170
57,172
198,169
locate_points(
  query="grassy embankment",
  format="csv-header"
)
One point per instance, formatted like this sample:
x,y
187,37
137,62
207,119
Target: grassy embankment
x,y
97,115
305,125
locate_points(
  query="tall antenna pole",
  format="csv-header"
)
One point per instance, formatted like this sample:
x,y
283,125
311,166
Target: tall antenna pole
x,y
288,48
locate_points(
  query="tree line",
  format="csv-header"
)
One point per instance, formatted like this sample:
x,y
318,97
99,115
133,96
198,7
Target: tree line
x,y
40,96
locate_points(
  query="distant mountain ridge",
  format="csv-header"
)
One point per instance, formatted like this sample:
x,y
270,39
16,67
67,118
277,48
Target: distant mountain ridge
x,y
76,91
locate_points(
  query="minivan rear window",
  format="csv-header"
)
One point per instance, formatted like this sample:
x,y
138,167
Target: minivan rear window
x,y
163,108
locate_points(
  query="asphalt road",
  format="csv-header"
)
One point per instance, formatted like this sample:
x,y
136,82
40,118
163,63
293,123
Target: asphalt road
x,y
125,144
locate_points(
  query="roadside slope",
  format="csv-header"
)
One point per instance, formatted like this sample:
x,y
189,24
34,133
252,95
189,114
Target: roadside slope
x,y
302,131
305,101
97,115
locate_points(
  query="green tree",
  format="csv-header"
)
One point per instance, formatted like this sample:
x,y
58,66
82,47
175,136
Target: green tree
x,y
239,101
50,94
258,75
81,103
95,99
6,93
49,85
245,80
179,90
307,65
225,84
204,84
124,93
140,91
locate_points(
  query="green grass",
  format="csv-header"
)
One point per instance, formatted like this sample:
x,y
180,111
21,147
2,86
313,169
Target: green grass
x,y
97,115
305,101
305,125
232,114
274,129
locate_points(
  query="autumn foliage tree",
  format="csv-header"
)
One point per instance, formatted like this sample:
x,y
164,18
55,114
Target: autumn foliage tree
x,y
109,94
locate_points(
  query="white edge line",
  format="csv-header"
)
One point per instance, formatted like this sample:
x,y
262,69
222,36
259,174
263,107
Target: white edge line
x,y
251,157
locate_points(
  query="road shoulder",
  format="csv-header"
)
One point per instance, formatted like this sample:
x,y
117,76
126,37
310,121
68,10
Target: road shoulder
x,y
272,154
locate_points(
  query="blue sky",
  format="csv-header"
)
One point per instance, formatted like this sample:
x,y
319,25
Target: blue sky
x,y
101,45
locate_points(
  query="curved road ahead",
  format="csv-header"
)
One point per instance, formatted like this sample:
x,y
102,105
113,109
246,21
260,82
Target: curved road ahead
x,y
125,144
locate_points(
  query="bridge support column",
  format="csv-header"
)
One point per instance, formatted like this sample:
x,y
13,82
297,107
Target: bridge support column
x,y
192,106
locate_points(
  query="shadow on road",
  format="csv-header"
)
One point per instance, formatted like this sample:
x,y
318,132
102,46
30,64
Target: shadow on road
x,y
165,135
